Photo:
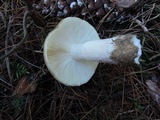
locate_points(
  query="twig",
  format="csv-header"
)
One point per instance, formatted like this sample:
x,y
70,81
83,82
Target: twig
x,y
4,81
139,23
28,4
102,20
27,13
142,25
29,63
38,19
155,56
6,44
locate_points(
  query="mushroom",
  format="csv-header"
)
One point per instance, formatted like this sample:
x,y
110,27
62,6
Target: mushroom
x,y
73,50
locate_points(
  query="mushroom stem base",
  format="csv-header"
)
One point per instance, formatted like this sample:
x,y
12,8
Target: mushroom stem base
x,y
120,49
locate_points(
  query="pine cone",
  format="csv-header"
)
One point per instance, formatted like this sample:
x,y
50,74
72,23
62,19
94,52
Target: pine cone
x,y
87,8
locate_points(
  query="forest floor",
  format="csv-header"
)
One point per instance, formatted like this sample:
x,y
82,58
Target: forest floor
x,y
29,92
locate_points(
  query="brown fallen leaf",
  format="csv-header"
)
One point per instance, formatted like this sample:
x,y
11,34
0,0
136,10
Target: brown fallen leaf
x,y
25,86
125,3
154,91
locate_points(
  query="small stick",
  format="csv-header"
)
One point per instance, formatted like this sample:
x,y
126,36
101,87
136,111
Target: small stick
x,y
140,23
102,20
6,44
27,13
38,19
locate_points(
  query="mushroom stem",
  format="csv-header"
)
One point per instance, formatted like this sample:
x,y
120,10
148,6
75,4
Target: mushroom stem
x,y
120,49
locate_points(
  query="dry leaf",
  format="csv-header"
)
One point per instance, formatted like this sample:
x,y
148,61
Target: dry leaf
x,y
24,86
125,3
154,91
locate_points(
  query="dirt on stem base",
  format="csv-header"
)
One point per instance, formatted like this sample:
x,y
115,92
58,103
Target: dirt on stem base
x,y
125,51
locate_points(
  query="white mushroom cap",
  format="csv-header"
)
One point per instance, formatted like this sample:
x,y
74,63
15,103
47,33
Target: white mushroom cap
x,y
57,54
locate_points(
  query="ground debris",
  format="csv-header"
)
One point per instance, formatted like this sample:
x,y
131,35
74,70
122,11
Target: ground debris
x,y
25,86
125,3
154,90
114,92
